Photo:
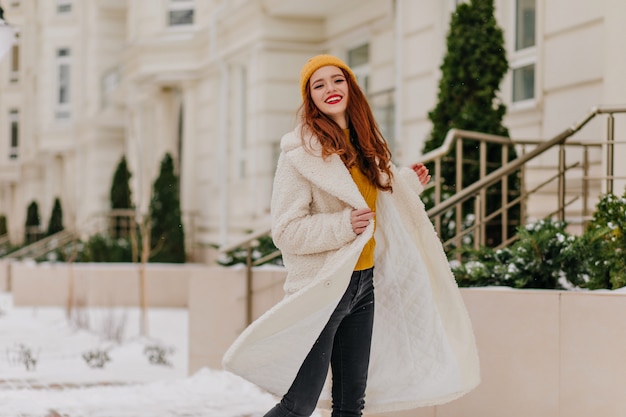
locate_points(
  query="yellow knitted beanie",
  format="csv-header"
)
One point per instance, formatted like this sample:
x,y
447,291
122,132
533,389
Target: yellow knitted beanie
x,y
318,62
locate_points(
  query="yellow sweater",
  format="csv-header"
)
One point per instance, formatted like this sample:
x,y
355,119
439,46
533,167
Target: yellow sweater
x,y
370,193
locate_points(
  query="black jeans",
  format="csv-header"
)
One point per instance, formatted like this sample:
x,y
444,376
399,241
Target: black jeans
x,y
345,344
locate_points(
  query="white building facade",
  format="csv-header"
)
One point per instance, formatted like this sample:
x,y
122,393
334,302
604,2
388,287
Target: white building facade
x,y
215,83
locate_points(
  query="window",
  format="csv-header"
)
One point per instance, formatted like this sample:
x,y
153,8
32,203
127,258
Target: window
x,y
524,24
358,61
14,73
14,133
64,6
384,110
180,13
524,57
524,83
63,98
381,102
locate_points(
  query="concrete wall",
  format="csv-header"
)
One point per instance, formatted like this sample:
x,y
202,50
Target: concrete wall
x,y
217,309
4,276
543,353
98,284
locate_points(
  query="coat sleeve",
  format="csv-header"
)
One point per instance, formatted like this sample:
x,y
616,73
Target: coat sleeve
x,y
412,179
295,229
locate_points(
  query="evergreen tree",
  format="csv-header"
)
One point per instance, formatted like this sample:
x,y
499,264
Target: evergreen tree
x,y
121,198
603,247
3,225
167,234
472,69
33,221
56,218
120,188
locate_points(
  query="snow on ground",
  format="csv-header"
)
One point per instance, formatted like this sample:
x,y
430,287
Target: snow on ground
x,y
60,383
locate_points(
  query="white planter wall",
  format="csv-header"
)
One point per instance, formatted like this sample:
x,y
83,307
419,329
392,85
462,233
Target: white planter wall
x,y
543,353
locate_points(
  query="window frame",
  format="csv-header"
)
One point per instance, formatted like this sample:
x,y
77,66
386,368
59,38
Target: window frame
x,y
516,32
381,102
14,133
523,57
14,68
362,72
174,6
521,64
63,90
64,7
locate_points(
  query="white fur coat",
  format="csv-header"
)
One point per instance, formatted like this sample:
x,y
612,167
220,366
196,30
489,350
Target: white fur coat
x,y
423,348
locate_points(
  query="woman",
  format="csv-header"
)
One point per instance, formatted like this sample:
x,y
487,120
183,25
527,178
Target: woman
x,y
335,186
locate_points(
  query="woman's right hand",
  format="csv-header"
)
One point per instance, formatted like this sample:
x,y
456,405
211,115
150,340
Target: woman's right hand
x,y
360,219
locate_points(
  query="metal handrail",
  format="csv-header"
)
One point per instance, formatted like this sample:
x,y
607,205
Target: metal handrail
x,y
42,246
448,145
455,134
247,241
478,188
248,244
510,167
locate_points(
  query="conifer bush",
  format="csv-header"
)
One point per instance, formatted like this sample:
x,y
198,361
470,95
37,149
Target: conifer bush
x,y
5,247
121,198
473,67
56,218
605,244
167,235
546,256
33,222
3,225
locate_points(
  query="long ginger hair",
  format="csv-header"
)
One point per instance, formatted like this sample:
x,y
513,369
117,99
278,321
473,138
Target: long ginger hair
x,y
369,151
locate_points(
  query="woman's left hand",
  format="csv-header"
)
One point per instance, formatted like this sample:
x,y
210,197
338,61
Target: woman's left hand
x,y
422,172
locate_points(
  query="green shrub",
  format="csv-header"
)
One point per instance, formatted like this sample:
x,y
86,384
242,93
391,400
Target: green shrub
x,y
546,256
101,248
98,248
540,258
482,267
261,247
605,244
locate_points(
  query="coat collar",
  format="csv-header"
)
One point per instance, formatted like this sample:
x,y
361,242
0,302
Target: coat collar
x,y
330,174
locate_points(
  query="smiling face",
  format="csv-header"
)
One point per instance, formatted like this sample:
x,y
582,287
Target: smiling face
x,y
329,91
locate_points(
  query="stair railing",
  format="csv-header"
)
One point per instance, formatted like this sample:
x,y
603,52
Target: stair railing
x,y
249,243
43,246
478,189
